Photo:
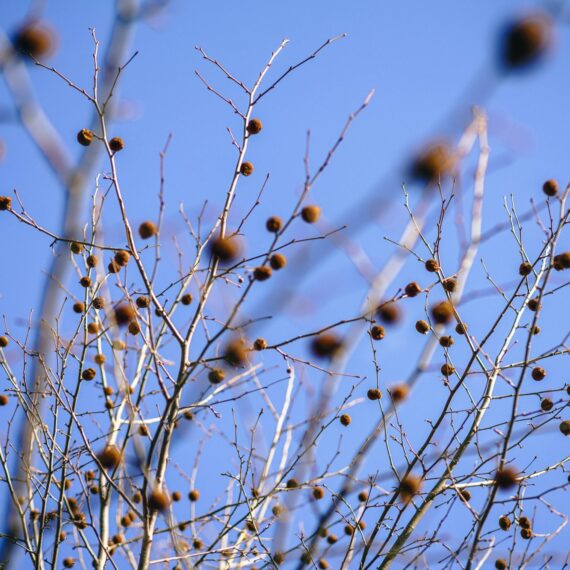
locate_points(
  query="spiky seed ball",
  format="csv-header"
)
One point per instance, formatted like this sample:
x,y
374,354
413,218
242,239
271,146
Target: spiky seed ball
x,y
504,522
525,41
277,510
79,307
88,374
278,261
442,312
186,299
176,496
326,345
108,391
122,257
292,484
389,313
345,420
142,302
194,495
311,214
348,530
432,265
318,493
3,400
85,281
225,249
254,126
374,394
274,224
188,415
363,496
535,330
465,494
113,267
409,487
5,203
279,558
147,230
116,144
446,341
92,328
533,305
34,39
124,314
525,268
546,404
461,328
362,524
85,137
143,430
413,289
550,187
422,326
235,352
262,273
538,373
433,163
134,328
332,538
501,564
399,393
377,332
68,562
98,303
449,284
110,456
259,344
506,478
323,564
524,522
246,168
564,427
447,370
92,261
562,261
526,533
76,247
216,375
158,500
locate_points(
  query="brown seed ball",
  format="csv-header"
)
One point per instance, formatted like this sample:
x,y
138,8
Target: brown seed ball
x,y
546,404
446,341
363,496
194,495
306,558
279,558
526,533
538,373
433,163
292,484
124,314
362,524
374,394
92,328
524,522
332,538
465,494
143,430
137,498
235,352
260,344
92,261
504,522
311,214
113,267
447,370
3,400
116,144
318,493
524,41
110,456
98,302
197,544
158,500
326,345
501,564
68,562
377,332
126,522
188,415
134,328
79,307
422,326
562,261
348,530
108,391
274,224
533,305
449,284
186,299
389,313
118,539
535,330
262,273
564,427
399,393
88,374
225,249
216,375
278,261
246,169
76,247
506,477
345,420
254,126
461,328
442,312
409,487
550,187
525,268
277,510
122,257
323,564
34,39
85,137
5,203
142,302
147,230
176,496
413,289
85,281
432,265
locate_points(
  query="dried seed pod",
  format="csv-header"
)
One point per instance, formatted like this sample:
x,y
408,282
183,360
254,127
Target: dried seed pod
x,y
79,307
88,374
262,273
194,495
5,203
76,247
85,137
422,326
504,522
433,163
246,169
389,313
442,312
409,487
34,39
134,328
278,261
461,328
564,427
538,373
176,496
292,484
449,284
447,370
399,393
147,230
85,281
142,302
235,352
110,457
326,345
501,564
377,332
363,496
113,267
216,375
311,214
446,341
550,187
345,420
277,510
68,562
93,328
260,344
225,249
4,341
560,261
98,303
274,224
92,261
158,500
546,404
124,314
332,538
533,305
526,533
186,299
432,265
318,493
525,268
254,126
122,257
506,477
4,400
374,394
524,522
413,289
116,144
465,494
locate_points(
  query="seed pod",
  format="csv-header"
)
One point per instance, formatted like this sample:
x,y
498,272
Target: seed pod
x,y
88,374
326,345
292,484
412,289
506,477
197,544
504,522
374,394
311,214
550,187
332,538
447,370
116,144
389,313
525,268
461,328
422,326
538,373
277,510
260,344
254,126
98,303
526,533
110,456
5,203
246,168
449,284
318,493
432,265
409,487
79,307
68,562
565,427
85,282
561,261
224,249
122,257
216,375
262,273
363,496
194,495
278,261
345,420
3,400
501,564
524,522
4,341
442,312
124,314
142,302
158,500
147,230
134,328
85,137
446,341
186,299
274,224
546,404
235,352
322,564
34,39
465,494
432,164
76,247
113,267
533,305
377,332
92,328
399,393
